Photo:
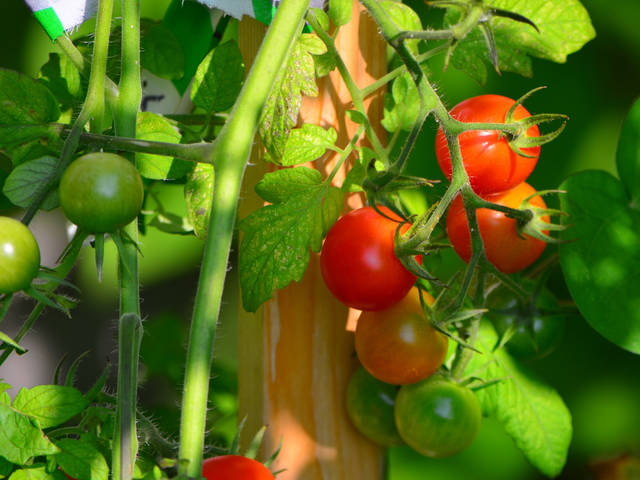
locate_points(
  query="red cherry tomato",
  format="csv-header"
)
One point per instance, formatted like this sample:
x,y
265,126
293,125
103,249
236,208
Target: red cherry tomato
x,y
490,162
236,467
358,261
398,345
502,245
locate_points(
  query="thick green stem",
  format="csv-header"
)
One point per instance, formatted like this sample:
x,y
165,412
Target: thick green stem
x,y
92,109
232,150
125,443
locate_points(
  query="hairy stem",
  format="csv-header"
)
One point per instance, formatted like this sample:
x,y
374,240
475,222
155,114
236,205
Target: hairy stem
x,y
232,149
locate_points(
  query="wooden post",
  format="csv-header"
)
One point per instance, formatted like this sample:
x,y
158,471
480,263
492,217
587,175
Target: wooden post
x,y
296,354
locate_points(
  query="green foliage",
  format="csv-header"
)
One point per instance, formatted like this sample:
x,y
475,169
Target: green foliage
x,y
307,143
404,18
62,78
25,101
532,413
628,154
81,460
218,79
280,113
36,472
340,12
24,181
50,405
21,438
160,51
277,238
564,28
158,167
402,106
198,193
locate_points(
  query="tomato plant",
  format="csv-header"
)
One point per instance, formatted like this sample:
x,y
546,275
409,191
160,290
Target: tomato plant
x,y
370,405
491,163
503,245
234,466
101,192
19,256
358,261
537,324
398,345
437,417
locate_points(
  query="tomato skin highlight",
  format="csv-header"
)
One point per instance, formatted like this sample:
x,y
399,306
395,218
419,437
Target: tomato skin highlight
x,y
502,245
491,164
398,345
358,262
236,467
19,256
370,405
101,192
436,417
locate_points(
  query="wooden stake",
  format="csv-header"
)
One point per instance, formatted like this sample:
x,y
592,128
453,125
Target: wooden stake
x,y
296,354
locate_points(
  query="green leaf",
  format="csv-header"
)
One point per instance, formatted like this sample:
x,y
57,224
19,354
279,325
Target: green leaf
x,y
280,112
156,128
23,100
532,413
51,405
198,193
312,44
340,11
405,18
628,154
21,438
160,51
307,143
601,258
38,472
81,460
564,26
354,178
5,467
12,136
62,78
219,78
402,106
10,341
23,182
277,238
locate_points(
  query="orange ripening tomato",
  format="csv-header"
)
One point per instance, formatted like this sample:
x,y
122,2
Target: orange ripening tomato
x,y
398,345
502,245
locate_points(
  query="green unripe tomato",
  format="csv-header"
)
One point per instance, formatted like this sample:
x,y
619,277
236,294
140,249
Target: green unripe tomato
x,y
101,192
19,256
436,417
537,332
370,405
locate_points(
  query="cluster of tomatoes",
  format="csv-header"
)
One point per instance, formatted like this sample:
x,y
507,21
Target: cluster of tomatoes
x,y
396,397
497,173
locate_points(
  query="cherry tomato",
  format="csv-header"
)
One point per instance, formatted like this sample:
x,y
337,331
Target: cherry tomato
x,y
437,417
490,162
228,467
398,345
538,330
358,262
502,245
370,405
19,256
101,192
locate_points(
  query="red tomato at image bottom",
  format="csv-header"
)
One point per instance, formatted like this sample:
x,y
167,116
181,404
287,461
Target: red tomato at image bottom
x,y
234,467
502,245
358,262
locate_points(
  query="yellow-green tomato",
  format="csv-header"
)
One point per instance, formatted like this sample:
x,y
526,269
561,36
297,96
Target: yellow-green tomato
x,y
370,405
437,417
19,256
101,192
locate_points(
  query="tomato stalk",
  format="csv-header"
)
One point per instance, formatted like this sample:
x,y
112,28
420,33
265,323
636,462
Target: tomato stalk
x,y
231,153
125,442
92,108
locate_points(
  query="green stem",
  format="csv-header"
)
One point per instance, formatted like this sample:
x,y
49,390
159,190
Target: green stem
x,y
92,109
232,149
125,444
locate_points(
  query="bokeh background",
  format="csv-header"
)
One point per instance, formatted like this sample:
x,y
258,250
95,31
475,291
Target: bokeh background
x,y
599,382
